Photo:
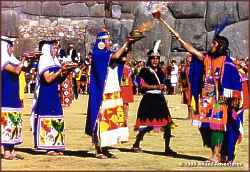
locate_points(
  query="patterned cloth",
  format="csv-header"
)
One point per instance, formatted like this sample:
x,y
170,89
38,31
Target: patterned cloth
x,y
11,128
11,106
50,131
112,120
66,93
47,112
213,109
220,113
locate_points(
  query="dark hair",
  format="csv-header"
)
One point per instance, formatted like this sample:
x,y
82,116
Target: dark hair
x,y
223,45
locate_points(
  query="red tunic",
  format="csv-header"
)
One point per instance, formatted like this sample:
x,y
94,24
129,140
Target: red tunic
x,y
127,85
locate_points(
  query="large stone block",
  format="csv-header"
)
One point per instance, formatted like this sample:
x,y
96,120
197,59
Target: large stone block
x,y
128,6
94,26
116,11
126,28
243,7
187,9
191,30
33,7
97,10
114,27
90,3
75,10
9,23
238,38
51,8
217,11
127,16
157,31
12,4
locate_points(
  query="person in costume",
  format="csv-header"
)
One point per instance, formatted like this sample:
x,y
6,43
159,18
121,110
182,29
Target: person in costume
x,y
174,77
11,107
185,84
47,112
106,122
127,87
217,97
153,112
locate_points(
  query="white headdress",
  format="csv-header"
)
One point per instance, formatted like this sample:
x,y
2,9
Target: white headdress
x,y
5,57
155,51
46,60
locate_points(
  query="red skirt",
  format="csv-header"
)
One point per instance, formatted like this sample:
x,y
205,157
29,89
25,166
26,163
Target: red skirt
x,y
127,94
245,88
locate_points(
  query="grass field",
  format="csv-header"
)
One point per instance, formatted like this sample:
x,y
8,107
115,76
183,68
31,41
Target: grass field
x,y
79,154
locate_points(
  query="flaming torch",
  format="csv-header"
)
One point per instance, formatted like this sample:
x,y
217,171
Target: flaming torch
x,y
157,14
137,34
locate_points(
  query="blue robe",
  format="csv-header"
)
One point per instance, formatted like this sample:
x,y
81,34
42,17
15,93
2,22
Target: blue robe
x,y
98,75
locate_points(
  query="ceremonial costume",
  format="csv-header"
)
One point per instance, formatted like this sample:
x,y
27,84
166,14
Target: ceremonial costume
x,y
153,112
127,85
217,101
105,121
47,112
11,107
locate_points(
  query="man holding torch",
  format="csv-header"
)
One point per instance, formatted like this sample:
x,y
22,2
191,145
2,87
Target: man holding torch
x,y
219,114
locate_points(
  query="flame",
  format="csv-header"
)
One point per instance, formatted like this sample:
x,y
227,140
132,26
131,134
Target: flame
x,y
145,26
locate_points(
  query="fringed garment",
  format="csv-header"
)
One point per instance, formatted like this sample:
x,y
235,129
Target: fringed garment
x,y
219,113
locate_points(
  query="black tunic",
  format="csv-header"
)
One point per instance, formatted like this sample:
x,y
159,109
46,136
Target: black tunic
x,y
153,109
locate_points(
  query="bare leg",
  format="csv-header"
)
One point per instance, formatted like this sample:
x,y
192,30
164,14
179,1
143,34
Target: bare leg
x,y
216,155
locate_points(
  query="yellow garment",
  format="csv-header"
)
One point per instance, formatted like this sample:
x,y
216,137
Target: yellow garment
x,y
22,85
193,104
79,76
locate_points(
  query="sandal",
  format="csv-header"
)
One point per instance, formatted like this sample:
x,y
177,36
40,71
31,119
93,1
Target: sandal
x,y
18,156
136,149
52,153
101,156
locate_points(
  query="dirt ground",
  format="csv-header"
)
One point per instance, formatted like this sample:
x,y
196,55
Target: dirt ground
x,y
79,154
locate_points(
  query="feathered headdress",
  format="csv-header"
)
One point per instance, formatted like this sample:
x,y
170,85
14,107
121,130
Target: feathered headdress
x,y
155,50
220,26
223,41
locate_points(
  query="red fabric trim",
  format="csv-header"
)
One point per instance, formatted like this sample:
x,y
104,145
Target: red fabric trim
x,y
154,122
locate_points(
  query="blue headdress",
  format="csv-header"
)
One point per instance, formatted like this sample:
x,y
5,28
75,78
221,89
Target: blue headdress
x,y
101,36
220,27
222,41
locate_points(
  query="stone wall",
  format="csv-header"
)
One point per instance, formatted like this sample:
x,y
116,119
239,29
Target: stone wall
x,y
79,21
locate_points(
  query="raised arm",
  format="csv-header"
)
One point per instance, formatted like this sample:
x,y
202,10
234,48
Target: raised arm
x,y
184,44
190,48
120,51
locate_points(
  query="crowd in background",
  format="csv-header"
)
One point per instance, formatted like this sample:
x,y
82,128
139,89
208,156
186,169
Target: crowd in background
x,y
175,73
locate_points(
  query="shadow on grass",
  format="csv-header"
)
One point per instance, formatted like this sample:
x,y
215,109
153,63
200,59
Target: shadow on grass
x,y
180,156
78,153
